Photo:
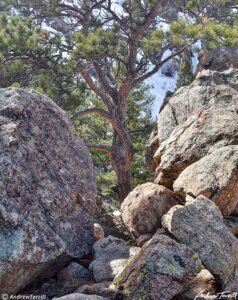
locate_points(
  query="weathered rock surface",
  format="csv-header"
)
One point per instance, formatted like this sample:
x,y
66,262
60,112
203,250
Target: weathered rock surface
x,y
203,284
160,270
47,188
210,89
199,224
144,206
103,289
55,288
110,257
220,58
200,135
73,271
77,296
215,176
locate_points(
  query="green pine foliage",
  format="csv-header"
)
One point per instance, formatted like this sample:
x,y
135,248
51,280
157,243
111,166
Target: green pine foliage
x,y
30,57
185,74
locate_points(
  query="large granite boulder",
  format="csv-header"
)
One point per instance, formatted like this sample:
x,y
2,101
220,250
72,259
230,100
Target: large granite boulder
x,y
111,255
160,270
214,176
199,225
193,122
144,207
210,89
47,188
198,136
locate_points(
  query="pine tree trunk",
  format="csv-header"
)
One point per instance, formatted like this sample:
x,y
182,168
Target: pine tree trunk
x,y
121,161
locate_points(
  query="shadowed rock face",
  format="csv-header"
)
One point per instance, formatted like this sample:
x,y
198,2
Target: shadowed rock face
x,y
160,270
47,188
214,176
199,225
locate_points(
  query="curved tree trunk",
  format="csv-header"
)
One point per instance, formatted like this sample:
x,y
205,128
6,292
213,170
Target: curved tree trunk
x,y
121,159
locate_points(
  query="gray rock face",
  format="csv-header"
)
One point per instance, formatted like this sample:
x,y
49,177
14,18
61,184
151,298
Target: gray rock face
x,y
195,121
210,89
214,176
73,271
219,59
47,188
144,207
160,270
110,258
200,135
200,225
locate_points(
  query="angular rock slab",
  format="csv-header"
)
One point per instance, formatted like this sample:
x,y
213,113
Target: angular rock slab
x,y
144,207
214,176
160,270
200,135
210,89
199,224
47,188
110,258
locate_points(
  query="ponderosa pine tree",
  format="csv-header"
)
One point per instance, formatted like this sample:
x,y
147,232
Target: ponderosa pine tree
x,y
117,46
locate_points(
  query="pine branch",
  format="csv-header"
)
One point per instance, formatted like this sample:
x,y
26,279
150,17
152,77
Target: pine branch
x,y
99,147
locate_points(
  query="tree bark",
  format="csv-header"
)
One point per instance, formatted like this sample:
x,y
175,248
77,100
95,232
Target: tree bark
x,y
121,159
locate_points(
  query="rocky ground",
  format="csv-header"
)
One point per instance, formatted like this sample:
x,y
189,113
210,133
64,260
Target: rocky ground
x,y
176,237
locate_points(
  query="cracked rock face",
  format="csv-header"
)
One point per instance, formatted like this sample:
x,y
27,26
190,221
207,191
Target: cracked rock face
x,y
160,270
47,188
200,135
214,176
197,120
210,89
199,225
